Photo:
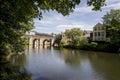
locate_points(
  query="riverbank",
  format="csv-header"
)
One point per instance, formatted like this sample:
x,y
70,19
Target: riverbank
x,y
95,47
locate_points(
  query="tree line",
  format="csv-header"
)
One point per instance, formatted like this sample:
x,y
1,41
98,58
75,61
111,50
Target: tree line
x,y
111,24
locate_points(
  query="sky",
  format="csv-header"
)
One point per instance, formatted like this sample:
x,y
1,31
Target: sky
x,y
83,17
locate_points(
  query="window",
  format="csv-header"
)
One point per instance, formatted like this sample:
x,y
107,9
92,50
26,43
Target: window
x,y
98,33
102,33
101,27
95,34
98,28
95,28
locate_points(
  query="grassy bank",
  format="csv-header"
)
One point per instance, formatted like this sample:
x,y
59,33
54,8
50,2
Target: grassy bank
x,y
93,46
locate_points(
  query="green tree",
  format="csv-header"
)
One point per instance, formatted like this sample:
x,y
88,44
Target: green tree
x,y
84,41
62,43
75,35
16,18
112,23
57,40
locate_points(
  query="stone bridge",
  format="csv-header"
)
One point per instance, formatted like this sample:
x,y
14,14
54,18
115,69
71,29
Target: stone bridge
x,y
40,39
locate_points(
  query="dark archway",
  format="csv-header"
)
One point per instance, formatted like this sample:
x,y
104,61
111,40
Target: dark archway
x,y
36,42
48,40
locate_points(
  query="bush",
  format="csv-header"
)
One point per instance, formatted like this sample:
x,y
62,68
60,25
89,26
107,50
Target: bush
x,y
83,41
93,44
62,43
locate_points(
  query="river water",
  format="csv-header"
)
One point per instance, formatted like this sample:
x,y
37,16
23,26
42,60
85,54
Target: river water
x,y
68,64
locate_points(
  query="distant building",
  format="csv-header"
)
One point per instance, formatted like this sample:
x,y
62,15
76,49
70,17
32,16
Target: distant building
x,y
99,32
87,34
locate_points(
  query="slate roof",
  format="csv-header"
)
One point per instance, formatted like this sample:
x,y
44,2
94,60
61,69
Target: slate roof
x,y
98,24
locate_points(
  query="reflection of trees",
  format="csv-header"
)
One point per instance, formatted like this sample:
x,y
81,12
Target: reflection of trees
x,y
71,57
19,60
15,69
106,65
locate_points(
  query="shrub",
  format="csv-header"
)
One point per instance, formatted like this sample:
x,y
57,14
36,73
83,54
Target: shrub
x,y
62,43
93,44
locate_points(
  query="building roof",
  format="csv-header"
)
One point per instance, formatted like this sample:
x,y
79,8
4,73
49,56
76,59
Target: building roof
x,y
98,24
87,32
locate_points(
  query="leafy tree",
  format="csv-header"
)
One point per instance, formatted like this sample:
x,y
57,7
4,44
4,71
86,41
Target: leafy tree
x,y
83,41
75,35
62,43
112,23
97,4
16,17
57,39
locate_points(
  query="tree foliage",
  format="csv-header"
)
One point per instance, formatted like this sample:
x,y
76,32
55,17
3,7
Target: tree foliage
x,y
112,23
16,17
57,40
63,43
97,4
75,35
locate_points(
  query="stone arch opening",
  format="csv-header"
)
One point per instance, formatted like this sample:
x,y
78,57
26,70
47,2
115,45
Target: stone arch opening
x,y
36,42
47,42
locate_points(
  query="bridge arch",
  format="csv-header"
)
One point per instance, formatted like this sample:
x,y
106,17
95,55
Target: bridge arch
x,y
36,42
48,42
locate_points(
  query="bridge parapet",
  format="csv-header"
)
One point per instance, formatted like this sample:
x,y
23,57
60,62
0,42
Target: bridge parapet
x,y
40,39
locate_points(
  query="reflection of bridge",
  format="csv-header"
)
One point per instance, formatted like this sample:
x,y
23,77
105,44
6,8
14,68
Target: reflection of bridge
x,y
39,39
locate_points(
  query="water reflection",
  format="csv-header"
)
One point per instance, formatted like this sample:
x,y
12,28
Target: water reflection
x,y
107,65
15,69
79,60
71,57
64,64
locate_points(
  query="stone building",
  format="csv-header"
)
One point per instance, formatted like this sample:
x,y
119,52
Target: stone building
x,y
99,32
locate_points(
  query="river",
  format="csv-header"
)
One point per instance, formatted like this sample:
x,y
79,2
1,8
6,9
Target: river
x,y
68,64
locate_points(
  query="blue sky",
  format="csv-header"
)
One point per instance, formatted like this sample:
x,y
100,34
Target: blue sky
x,y
83,17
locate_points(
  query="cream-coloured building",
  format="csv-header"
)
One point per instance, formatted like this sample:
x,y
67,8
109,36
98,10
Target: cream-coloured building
x,y
99,32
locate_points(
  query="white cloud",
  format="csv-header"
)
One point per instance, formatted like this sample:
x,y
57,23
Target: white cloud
x,y
44,21
82,26
112,1
113,6
88,27
69,26
86,9
62,28
51,20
